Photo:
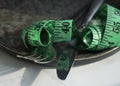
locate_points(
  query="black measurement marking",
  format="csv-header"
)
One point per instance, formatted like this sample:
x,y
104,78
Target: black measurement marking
x,y
65,27
108,35
113,17
116,27
105,40
57,37
111,43
105,37
66,24
103,45
110,21
117,12
116,30
108,27
57,25
56,32
107,32
56,29
65,30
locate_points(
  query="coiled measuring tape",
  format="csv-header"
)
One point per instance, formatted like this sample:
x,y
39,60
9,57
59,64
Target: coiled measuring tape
x,y
39,36
103,32
44,32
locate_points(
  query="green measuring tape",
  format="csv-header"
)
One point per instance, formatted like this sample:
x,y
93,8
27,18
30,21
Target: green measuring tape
x,y
63,62
40,36
63,30
103,31
44,32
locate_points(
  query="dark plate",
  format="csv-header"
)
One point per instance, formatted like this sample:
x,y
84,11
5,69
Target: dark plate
x,y
16,15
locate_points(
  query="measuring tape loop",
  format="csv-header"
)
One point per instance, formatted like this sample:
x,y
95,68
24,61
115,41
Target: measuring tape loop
x,y
103,36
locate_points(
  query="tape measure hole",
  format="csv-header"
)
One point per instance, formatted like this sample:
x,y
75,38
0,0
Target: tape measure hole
x,y
88,37
44,37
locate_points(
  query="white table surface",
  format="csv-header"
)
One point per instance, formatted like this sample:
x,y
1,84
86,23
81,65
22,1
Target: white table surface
x,y
15,72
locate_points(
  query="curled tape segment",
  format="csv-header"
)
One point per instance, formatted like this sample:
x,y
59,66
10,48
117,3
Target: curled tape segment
x,y
108,35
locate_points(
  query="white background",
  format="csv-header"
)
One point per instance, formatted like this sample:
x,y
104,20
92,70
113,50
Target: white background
x,y
16,72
